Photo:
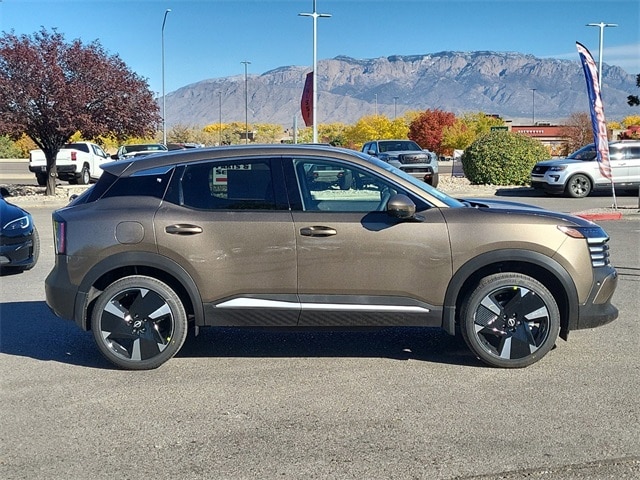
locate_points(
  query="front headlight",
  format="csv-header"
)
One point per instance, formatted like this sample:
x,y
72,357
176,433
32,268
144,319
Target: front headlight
x,y
559,168
21,223
593,234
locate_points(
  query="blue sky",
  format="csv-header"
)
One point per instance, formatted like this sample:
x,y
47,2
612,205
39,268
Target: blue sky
x,y
210,38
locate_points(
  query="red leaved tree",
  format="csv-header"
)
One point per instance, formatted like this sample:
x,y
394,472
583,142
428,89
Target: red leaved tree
x,y
50,89
426,129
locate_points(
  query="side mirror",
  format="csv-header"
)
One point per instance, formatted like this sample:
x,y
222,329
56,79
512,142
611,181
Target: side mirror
x,y
400,206
114,156
372,153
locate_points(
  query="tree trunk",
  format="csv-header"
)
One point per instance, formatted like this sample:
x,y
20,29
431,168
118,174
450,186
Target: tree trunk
x,y
51,174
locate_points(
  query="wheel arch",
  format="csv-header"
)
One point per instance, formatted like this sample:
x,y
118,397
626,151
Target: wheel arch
x,y
536,265
136,263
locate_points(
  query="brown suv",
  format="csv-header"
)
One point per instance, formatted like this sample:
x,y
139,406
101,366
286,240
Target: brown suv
x,y
312,236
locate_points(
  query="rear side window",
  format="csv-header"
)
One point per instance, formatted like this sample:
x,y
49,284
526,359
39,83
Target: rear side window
x,y
229,185
147,183
83,147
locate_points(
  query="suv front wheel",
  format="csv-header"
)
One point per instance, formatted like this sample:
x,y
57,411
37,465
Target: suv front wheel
x,y
138,323
510,320
578,186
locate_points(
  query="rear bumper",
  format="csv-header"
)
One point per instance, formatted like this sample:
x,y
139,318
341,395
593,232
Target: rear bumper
x,y
62,295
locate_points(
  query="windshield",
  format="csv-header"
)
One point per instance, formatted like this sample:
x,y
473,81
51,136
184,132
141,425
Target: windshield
x,y
443,197
587,153
144,148
398,146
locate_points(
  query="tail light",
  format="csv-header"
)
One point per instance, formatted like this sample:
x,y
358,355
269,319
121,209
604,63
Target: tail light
x,y
74,156
60,237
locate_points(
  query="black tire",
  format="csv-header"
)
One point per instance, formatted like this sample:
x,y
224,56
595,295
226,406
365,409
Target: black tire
x,y
139,323
41,178
84,177
435,180
35,254
510,320
578,186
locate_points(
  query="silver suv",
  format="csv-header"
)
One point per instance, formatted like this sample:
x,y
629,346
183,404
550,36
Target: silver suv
x,y
578,175
407,156
288,236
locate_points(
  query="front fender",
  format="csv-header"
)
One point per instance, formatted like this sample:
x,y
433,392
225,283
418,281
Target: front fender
x,y
507,260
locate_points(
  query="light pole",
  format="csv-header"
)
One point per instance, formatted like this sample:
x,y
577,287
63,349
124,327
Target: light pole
x,y
376,95
315,15
246,103
164,106
602,26
395,107
220,119
533,102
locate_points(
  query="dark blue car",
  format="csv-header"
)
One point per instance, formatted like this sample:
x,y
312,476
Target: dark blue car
x,y
19,240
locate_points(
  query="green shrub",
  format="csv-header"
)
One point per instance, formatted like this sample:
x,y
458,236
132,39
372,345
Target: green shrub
x,y
502,158
8,149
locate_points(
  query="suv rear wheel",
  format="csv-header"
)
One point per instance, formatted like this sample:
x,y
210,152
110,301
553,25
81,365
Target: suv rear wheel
x,y
139,323
510,320
578,186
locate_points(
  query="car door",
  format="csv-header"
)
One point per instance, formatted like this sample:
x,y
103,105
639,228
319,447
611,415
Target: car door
x,y
632,155
619,166
227,222
357,265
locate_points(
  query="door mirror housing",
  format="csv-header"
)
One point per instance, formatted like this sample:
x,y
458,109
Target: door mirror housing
x,y
402,207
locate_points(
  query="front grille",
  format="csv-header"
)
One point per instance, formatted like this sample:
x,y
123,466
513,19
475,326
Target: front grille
x,y
599,251
408,158
539,170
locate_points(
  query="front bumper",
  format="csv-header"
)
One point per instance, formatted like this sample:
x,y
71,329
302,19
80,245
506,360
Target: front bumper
x,y
598,310
547,187
16,252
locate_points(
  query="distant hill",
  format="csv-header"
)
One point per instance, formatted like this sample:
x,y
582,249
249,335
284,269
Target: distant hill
x,y
496,83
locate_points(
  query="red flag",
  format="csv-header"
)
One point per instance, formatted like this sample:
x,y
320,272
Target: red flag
x,y
306,103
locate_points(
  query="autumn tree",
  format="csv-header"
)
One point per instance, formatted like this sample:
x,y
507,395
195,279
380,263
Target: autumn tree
x,y
375,127
467,129
49,89
633,100
268,132
426,130
577,131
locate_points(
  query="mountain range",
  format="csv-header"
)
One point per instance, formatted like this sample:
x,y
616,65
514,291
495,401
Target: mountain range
x,y
515,86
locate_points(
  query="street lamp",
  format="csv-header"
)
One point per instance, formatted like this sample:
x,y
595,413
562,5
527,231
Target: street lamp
x,y
376,95
602,26
246,104
220,119
164,106
314,97
533,101
395,107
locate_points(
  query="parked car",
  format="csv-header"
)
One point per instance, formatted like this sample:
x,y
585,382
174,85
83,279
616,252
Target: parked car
x,y
78,162
138,150
19,239
408,156
251,236
578,175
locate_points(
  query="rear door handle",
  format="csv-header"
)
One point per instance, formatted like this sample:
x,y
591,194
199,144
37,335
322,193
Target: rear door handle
x,y
183,229
318,231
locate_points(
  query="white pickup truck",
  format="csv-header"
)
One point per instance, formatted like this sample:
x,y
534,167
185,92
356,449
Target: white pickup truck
x,y
77,163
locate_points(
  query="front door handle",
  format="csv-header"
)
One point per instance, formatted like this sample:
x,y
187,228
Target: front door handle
x,y
183,229
317,231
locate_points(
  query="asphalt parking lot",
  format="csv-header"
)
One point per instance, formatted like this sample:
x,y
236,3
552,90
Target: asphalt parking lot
x,y
392,403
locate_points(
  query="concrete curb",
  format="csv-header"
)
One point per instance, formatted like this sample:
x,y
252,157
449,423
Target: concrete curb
x,y
599,216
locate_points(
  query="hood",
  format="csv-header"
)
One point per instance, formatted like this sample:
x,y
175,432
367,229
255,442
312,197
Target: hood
x,y
559,161
506,206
